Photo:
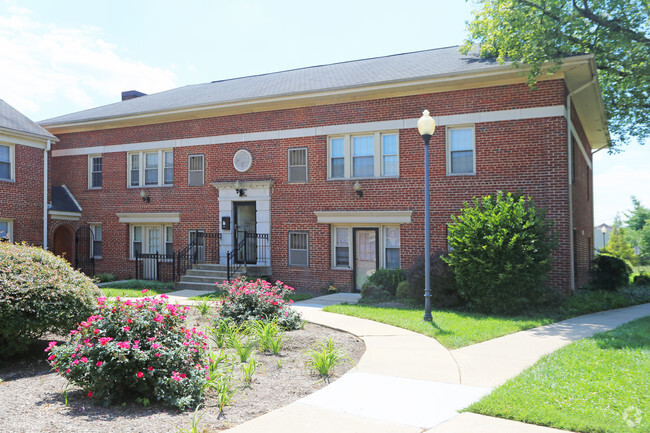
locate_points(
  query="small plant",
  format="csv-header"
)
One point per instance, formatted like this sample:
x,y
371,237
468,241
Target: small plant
x,y
247,372
105,277
243,347
143,401
275,344
219,333
323,358
203,306
266,334
194,423
403,289
225,392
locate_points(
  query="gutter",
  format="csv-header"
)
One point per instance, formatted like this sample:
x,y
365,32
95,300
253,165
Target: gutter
x,y
45,188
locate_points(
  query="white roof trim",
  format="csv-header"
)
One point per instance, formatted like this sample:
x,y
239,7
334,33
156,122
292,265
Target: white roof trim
x,y
148,218
364,217
61,215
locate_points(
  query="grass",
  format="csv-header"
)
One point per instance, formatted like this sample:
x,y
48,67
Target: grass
x,y
599,384
133,288
452,329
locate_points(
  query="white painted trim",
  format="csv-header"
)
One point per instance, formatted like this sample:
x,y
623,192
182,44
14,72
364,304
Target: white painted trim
x,y
12,162
149,218
350,128
448,149
25,138
72,197
247,184
61,215
364,217
581,147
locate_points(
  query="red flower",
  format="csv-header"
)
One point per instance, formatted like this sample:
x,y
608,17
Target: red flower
x,y
90,394
140,374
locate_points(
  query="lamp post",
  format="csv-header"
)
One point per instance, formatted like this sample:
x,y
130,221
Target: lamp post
x,y
603,230
426,128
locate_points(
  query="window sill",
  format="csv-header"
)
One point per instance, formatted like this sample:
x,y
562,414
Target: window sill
x,y
8,180
363,178
341,268
96,188
461,174
149,186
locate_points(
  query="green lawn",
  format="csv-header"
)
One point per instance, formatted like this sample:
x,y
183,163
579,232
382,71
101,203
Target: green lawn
x,y
133,288
599,384
452,329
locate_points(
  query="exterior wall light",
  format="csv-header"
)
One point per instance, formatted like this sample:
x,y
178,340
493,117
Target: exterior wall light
x,y
357,189
239,189
144,196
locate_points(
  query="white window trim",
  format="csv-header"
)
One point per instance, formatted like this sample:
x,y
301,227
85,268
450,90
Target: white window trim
x,y
289,248
382,243
378,155
12,163
194,171
141,168
90,171
145,239
306,164
448,130
93,227
10,228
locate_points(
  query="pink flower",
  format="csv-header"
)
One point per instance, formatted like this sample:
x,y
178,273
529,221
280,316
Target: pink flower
x,y
140,374
155,346
84,359
90,394
96,331
126,328
51,357
158,318
144,291
104,340
75,362
164,296
50,346
157,355
99,363
150,369
67,370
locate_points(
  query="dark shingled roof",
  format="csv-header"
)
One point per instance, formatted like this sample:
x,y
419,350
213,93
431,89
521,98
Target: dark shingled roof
x,y
357,73
63,201
10,118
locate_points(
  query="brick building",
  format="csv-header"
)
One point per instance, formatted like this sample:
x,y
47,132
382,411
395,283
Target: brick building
x,y
24,148
318,172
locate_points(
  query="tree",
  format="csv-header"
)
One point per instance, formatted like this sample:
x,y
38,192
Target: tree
x,y
638,217
618,245
540,33
500,253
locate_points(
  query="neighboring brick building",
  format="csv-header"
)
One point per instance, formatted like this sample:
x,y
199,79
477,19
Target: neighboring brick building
x,y
24,148
328,162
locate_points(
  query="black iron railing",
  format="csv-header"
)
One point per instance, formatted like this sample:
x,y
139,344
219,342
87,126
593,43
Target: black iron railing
x,y
202,248
250,249
154,266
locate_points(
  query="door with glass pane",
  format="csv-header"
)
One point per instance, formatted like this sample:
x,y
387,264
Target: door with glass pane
x,y
197,239
246,226
153,243
366,254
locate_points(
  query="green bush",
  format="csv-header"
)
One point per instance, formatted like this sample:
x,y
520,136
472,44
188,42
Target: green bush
x,y
371,294
39,293
135,349
257,300
610,273
403,289
386,279
641,279
105,277
501,253
443,285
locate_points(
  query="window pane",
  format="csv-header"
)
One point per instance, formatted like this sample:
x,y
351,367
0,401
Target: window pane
x,y
135,170
298,258
5,170
462,162
392,237
342,256
390,144
363,146
137,248
154,240
196,178
4,154
169,231
297,156
337,148
137,234
151,177
169,176
342,237
97,248
392,258
97,180
97,163
196,162
363,166
461,139
151,160
4,229
298,249
169,159
298,174
97,233
338,168
390,165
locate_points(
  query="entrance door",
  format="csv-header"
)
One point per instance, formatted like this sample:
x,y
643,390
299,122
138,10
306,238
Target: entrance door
x,y
197,237
245,226
152,240
366,255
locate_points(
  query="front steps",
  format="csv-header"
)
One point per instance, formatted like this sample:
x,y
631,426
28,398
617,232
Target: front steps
x,y
204,276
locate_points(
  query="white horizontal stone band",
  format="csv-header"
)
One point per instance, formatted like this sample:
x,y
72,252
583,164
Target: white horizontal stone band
x,y
147,218
350,128
364,217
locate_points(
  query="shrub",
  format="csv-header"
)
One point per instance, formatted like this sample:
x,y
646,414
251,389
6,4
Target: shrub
x,y
443,286
257,300
105,277
387,279
610,273
403,289
39,293
371,294
135,349
501,253
641,279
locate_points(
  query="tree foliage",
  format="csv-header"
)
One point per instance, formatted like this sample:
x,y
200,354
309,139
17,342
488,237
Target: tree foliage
x,y
540,33
618,245
638,217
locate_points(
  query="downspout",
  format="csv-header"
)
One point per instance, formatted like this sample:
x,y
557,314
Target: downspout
x,y
45,188
570,178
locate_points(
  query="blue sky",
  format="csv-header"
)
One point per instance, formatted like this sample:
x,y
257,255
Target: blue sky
x,y
65,56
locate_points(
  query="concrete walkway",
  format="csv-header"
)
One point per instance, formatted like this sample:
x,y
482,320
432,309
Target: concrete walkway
x,y
406,382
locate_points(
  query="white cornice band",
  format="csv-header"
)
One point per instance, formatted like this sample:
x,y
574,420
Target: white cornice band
x,y
350,128
150,218
364,217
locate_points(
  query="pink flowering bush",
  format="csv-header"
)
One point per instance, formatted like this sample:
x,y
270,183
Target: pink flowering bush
x,y
39,293
130,349
257,300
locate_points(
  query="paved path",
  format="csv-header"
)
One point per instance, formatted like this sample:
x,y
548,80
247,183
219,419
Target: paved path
x,y
406,382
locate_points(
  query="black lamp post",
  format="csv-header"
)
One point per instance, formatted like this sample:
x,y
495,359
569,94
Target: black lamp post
x,y
603,230
426,128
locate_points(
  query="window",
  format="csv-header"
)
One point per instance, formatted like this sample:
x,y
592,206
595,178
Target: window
x,y
151,239
6,231
196,171
297,169
96,246
460,150
298,249
94,171
154,168
342,247
6,162
391,242
363,156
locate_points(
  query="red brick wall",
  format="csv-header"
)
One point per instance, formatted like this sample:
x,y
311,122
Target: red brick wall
x,y
524,155
22,200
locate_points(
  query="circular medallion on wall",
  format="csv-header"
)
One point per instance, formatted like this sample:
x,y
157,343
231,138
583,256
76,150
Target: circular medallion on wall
x,y
242,160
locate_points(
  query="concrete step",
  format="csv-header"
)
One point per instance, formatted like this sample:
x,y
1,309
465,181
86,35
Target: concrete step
x,y
189,278
206,273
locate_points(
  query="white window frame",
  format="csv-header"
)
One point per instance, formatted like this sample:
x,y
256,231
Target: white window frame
x,y
145,237
10,228
90,171
382,243
141,168
93,229
202,171
12,162
289,249
348,158
448,130
306,165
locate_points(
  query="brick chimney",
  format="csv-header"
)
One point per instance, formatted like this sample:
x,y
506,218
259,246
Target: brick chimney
x,y
131,94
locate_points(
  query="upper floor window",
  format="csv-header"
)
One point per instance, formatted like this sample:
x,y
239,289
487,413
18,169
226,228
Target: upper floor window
x,y
155,168
297,165
6,230
96,245
6,162
460,150
95,166
364,155
195,170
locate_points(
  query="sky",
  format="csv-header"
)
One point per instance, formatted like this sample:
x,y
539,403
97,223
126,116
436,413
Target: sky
x,y
66,56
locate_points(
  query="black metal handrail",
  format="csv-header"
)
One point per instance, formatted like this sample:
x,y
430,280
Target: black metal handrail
x,y
235,260
203,248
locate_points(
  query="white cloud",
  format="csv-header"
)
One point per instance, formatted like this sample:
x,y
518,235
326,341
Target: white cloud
x,y
49,71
